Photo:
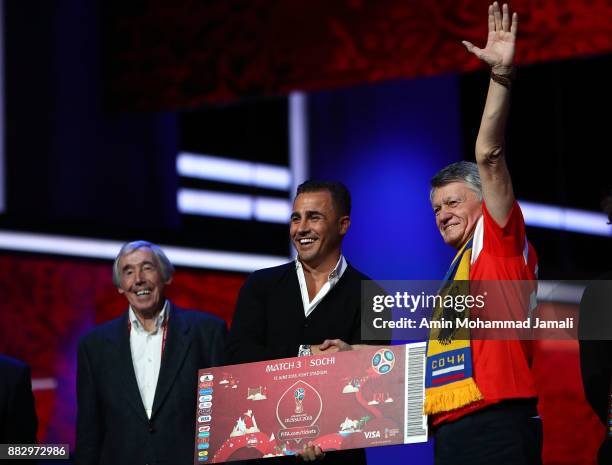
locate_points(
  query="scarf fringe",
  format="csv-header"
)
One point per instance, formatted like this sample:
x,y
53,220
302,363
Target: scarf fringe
x,y
451,396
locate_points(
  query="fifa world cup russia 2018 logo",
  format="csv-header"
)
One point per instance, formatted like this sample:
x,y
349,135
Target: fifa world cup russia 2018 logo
x,y
383,361
299,394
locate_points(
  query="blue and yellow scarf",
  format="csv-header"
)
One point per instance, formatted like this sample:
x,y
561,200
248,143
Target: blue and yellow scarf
x,y
448,374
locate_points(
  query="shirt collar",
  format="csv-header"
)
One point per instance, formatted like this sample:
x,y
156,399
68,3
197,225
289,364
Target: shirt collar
x,y
160,318
335,274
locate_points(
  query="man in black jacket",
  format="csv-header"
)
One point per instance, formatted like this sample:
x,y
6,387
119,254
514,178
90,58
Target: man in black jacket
x,y
18,421
595,339
137,374
309,305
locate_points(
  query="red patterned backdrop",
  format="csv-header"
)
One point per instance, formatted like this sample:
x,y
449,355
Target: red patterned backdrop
x,y
164,55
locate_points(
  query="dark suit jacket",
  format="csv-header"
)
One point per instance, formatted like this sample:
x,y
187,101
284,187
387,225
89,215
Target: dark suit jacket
x,y
594,332
112,425
18,422
269,320
269,323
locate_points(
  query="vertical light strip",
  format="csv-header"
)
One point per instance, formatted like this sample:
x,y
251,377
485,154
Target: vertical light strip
x,y
298,139
2,163
298,143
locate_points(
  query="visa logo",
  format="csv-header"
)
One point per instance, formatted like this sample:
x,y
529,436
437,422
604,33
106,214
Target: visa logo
x,y
372,434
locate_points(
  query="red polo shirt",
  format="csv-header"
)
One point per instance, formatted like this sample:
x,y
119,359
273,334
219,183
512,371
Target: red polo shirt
x,y
501,368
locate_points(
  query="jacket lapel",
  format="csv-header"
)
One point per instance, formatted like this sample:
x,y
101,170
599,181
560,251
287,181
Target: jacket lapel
x,y
177,343
121,338
294,292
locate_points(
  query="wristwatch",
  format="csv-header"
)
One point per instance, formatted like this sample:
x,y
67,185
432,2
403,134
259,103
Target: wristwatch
x,y
304,350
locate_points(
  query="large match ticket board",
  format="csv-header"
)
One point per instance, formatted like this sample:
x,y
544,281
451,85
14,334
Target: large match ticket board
x,y
345,400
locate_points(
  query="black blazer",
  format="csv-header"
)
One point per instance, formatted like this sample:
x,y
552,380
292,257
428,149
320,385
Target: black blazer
x,y
594,330
269,320
18,422
269,323
595,334
112,425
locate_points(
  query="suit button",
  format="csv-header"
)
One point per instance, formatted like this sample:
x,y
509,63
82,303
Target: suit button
x,y
151,429
305,325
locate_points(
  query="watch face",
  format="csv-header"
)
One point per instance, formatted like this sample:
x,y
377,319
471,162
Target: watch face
x,y
304,350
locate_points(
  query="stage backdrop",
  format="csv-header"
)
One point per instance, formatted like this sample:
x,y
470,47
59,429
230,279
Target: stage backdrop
x,y
164,55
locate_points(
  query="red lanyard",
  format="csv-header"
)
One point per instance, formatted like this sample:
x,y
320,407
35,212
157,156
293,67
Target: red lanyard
x,y
164,331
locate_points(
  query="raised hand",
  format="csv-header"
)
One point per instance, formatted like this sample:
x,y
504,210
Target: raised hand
x,y
499,50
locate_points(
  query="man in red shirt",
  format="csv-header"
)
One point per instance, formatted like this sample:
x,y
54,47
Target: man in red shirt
x,y
474,204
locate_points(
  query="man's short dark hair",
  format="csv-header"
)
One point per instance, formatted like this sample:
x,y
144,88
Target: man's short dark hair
x,y
339,193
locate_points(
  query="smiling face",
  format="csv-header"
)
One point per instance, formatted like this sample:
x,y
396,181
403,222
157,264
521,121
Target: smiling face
x,y
142,282
317,229
457,209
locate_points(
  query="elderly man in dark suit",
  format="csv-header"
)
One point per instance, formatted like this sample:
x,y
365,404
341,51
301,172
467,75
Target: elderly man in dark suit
x,y
137,374
18,422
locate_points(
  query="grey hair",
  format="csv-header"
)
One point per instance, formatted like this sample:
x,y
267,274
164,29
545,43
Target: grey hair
x,y
461,171
166,268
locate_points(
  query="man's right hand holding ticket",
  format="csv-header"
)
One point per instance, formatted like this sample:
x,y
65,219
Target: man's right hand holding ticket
x,y
311,452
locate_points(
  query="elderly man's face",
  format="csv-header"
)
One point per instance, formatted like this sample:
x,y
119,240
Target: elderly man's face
x,y
141,281
457,209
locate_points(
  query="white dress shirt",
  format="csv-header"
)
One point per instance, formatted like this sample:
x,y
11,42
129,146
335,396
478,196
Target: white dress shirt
x,y
146,350
332,280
